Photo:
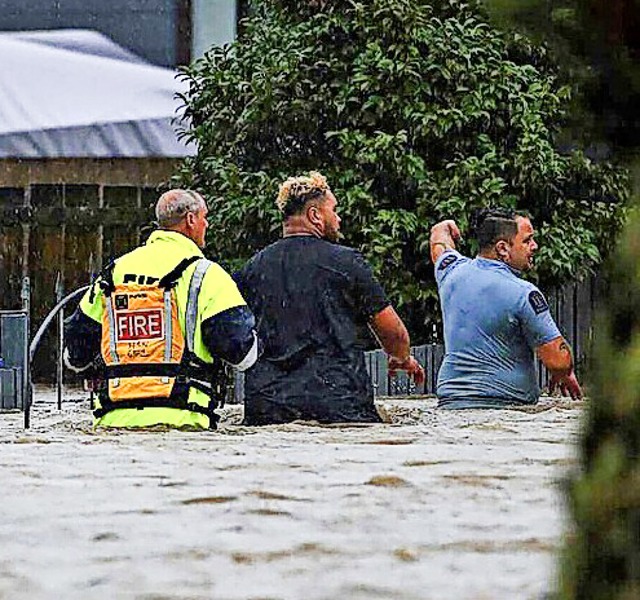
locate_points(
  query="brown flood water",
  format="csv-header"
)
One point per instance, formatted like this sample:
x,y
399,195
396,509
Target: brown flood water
x,y
435,505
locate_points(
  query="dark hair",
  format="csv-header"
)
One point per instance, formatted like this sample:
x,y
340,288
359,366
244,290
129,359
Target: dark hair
x,y
296,204
490,225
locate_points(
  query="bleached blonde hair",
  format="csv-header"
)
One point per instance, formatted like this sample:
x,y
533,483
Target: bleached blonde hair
x,y
295,192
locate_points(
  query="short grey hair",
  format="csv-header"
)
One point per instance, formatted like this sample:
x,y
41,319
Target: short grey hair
x,y
173,206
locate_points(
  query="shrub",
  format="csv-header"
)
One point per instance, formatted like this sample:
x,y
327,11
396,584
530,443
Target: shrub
x,y
600,559
415,111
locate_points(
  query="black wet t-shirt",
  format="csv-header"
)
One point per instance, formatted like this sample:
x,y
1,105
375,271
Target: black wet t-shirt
x,y
312,300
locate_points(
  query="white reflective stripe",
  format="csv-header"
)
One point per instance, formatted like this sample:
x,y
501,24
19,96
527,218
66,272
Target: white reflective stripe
x,y
206,384
168,326
192,301
251,356
67,361
112,329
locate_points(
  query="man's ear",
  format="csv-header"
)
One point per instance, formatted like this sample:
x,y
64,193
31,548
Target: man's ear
x,y
502,249
314,216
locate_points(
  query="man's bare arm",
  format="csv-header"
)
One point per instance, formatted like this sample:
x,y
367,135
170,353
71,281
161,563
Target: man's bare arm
x,y
556,356
443,237
393,336
391,333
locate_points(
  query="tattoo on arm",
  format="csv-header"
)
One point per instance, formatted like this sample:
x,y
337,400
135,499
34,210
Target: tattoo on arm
x,y
566,349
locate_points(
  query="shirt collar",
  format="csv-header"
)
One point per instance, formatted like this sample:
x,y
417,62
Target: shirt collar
x,y
175,237
498,265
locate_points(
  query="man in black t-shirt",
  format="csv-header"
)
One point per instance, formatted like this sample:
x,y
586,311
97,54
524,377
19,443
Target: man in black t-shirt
x,y
313,301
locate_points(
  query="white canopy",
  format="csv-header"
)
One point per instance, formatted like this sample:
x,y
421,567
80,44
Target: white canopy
x,y
75,93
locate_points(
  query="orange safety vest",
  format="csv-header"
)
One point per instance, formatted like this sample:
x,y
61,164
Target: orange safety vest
x,y
148,360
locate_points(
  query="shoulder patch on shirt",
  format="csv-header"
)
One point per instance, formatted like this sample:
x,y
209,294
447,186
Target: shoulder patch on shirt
x,y
537,301
446,261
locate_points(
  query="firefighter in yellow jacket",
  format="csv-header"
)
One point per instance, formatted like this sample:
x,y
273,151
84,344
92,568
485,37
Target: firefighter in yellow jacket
x,y
159,320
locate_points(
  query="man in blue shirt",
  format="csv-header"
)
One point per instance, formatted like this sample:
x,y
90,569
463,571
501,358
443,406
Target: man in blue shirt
x,y
494,321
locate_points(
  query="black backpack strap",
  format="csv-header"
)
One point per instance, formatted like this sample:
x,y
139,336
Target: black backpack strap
x,y
208,378
212,379
106,280
107,406
123,370
171,278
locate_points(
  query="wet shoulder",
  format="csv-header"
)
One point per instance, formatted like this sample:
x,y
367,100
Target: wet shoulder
x,y
268,253
310,249
532,298
449,262
523,293
513,280
304,252
342,259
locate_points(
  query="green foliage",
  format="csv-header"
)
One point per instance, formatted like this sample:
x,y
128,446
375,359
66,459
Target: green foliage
x,y
415,111
601,557
598,45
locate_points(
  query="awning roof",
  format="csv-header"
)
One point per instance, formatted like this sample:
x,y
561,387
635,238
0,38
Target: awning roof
x,y
75,93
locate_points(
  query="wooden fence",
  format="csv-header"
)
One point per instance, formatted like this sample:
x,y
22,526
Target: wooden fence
x,y
66,232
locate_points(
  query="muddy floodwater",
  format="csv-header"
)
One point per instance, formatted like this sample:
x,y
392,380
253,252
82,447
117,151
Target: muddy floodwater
x,y
434,505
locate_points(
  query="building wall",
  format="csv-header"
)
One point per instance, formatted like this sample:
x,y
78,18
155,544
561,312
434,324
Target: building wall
x,y
147,27
214,22
65,219
165,32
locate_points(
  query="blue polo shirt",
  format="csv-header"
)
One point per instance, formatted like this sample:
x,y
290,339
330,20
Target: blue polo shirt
x,y
493,322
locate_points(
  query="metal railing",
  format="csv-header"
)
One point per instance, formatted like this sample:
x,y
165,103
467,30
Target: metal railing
x,y
56,311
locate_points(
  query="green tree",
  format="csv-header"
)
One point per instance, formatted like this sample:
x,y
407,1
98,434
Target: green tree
x,y
598,42
415,111
601,40
601,559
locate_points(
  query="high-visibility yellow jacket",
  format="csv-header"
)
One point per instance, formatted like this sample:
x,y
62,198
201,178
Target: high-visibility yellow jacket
x,y
138,271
